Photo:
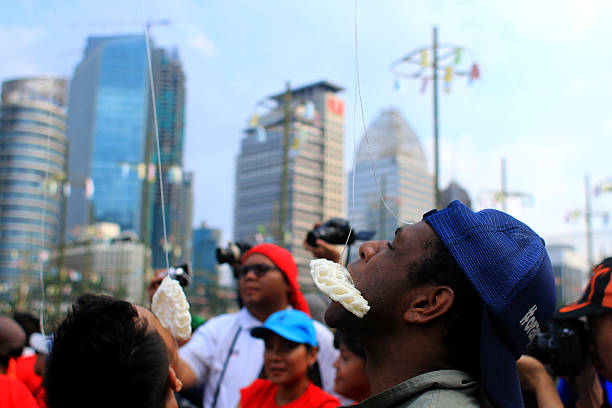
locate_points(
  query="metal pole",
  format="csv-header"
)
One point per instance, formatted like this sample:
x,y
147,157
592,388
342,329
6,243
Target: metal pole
x,y
285,172
587,217
435,117
504,186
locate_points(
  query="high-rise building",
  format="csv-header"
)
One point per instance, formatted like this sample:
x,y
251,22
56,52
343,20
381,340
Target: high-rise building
x,y
169,81
315,169
107,128
403,178
33,148
113,155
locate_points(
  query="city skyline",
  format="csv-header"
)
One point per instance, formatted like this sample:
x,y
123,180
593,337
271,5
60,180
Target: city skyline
x,y
534,104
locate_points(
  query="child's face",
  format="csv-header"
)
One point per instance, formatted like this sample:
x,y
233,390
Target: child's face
x,y
351,380
285,361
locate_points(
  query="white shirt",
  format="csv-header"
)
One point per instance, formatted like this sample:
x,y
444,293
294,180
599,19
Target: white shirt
x,y
208,349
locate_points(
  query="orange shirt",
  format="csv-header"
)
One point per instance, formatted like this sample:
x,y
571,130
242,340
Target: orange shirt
x,y
262,393
13,394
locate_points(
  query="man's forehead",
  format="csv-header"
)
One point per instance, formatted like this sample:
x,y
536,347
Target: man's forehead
x,y
419,232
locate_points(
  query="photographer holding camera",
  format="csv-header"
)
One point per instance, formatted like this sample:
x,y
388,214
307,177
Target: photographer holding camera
x,y
582,352
223,356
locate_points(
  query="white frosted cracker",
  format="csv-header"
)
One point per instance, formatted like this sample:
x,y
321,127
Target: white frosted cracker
x,y
335,281
172,309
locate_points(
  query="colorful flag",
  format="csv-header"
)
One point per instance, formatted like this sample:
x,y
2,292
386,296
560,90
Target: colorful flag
x,y
151,172
125,169
89,188
425,58
424,85
254,120
474,73
457,55
141,169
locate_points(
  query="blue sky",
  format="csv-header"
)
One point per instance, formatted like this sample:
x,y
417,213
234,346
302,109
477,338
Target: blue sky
x,y
543,101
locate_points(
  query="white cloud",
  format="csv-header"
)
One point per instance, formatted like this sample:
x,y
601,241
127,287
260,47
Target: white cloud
x,y
199,40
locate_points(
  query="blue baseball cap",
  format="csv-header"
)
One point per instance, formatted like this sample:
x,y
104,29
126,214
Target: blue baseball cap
x,y
509,267
290,324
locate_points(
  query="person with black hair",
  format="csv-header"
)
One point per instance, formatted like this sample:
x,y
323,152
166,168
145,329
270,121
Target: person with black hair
x,y
454,300
351,379
109,353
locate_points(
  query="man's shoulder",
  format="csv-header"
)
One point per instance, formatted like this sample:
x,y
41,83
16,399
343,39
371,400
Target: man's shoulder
x,y
442,397
444,388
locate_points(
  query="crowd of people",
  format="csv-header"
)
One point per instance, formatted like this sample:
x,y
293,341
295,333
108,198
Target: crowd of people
x,y
454,299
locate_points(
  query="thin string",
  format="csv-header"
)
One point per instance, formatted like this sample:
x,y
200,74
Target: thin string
x,y
154,100
352,210
41,318
366,135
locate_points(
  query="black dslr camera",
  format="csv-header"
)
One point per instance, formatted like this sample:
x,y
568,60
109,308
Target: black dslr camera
x,y
336,231
181,274
233,253
562,346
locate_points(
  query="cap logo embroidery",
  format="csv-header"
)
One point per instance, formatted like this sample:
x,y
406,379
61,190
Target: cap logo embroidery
x,y
530,323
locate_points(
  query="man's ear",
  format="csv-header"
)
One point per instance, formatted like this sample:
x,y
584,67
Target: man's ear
x,y
174,385
173,381
429,303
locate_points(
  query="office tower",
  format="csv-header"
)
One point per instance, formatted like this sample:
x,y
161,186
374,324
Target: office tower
x,y
113,156
453,192
169,81
315,169
33,148
107,128
403,178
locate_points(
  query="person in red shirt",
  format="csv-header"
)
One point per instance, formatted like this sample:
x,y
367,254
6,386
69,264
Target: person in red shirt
x,y
290,349
12,392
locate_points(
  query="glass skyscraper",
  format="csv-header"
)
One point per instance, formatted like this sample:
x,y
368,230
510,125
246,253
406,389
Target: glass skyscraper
x,y
33,147
108,120
113,157
169,82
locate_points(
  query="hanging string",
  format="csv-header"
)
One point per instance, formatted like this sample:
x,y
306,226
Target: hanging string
x,y
352,210
41,318
358,83
154,101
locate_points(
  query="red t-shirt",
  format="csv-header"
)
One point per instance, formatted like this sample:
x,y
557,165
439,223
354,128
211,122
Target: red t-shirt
x,y
14,394
263,392
24,371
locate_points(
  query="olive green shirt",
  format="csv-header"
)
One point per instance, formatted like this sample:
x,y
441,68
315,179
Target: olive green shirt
x,y
443,388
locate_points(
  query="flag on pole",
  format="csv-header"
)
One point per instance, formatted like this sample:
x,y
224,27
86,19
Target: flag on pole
x,y
424,85
254,120
89,188
457,55
425,58
474,73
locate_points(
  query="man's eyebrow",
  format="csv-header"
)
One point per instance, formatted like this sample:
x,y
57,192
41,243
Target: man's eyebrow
x,y
398,230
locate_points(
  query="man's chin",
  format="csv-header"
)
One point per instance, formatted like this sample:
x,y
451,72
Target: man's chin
x,y
336,315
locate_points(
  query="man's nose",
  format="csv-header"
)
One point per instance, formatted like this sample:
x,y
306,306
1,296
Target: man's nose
x,y
369,249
